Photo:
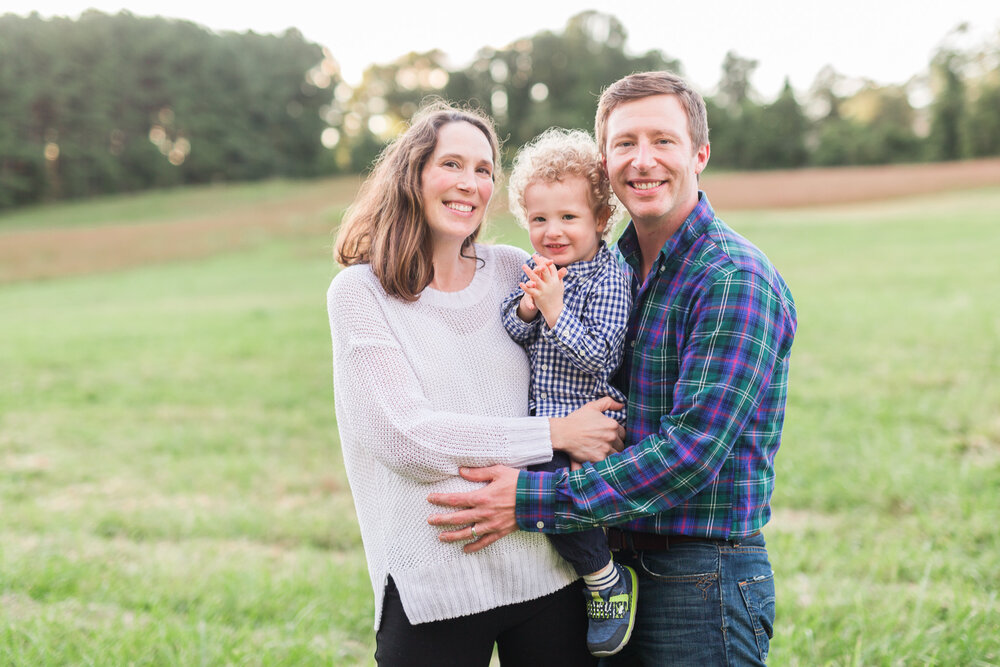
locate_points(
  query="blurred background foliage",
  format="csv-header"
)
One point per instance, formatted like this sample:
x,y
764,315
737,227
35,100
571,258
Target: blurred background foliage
x,y
115,103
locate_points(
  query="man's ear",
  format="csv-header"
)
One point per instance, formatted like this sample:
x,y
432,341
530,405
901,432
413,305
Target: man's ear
x,y
702,156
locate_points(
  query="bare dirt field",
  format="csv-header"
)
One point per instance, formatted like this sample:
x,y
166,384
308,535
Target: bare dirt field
x,y
46,253
841,185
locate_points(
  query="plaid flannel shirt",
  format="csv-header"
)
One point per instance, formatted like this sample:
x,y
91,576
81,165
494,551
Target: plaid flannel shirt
x,y
705,371
572,363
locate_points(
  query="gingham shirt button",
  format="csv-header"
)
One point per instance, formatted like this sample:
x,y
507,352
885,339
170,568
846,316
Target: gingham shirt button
x,y
540,524
545,367
543,395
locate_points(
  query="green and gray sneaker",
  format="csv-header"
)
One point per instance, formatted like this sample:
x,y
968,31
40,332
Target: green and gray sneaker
x,y
612,614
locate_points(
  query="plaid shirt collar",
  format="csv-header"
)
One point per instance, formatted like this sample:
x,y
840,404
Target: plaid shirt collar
x,y
694,226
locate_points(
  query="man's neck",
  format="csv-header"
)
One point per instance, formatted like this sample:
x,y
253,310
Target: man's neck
x,y
652,236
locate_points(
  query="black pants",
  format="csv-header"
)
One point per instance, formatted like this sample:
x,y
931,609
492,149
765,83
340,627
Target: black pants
x,y
586,551
550,631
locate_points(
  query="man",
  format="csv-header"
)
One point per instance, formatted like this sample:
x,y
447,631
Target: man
x,y
705,374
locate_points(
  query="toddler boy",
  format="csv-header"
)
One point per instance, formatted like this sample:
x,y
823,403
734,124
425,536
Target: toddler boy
x,y
570,314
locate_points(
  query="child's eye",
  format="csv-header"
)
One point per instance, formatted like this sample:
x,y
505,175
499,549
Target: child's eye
x,y
538,218
569,216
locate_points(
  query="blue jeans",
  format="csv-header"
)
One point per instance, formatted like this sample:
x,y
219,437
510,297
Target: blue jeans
x,y
701,603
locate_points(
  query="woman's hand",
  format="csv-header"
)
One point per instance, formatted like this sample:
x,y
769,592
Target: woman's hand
x,y
587,434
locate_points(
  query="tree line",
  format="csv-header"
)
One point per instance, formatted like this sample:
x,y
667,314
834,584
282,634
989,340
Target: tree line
x,y
121,103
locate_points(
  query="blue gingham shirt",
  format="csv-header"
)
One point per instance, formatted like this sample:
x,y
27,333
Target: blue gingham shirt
x,y
572,363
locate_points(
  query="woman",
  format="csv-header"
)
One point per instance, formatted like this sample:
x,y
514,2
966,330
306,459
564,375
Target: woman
x,y
426,380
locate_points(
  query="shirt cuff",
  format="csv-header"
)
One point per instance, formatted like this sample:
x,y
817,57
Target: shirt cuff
x,y
567,332
516,327
535,501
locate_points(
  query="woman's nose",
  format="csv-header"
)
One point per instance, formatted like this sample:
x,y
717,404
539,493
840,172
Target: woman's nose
x,y
465,182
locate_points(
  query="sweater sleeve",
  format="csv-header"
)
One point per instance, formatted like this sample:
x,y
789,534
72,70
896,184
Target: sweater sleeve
x,y
381,405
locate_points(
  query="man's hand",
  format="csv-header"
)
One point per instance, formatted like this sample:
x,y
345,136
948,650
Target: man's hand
x,y
486,514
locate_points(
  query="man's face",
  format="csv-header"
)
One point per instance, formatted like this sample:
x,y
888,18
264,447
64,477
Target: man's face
x,y
652,162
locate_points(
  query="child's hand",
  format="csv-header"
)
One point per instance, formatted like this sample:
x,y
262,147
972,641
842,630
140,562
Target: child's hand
x,y
526,308
545,287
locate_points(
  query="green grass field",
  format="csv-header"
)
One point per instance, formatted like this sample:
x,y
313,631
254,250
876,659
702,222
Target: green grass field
x,y
172,490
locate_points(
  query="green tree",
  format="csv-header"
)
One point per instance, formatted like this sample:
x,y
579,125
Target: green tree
x,y
734,115
779,139
116,103
534,83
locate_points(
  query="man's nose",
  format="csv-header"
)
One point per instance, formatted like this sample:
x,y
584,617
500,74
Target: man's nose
x,y
643,156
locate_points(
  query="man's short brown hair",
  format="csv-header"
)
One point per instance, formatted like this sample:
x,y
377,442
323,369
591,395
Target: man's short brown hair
x,y
646,84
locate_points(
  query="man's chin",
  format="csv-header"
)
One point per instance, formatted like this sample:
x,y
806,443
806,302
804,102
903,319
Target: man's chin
x,y
646,212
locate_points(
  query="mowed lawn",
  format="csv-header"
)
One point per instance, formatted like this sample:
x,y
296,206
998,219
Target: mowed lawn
x,y
172,490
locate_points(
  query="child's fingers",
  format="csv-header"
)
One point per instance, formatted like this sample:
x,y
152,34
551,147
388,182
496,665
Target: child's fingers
x,y
541,261
532,275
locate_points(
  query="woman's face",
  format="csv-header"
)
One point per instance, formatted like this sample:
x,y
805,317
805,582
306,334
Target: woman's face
x,y
457,182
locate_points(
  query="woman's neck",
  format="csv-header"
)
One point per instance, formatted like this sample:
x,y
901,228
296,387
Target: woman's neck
x,y
453,272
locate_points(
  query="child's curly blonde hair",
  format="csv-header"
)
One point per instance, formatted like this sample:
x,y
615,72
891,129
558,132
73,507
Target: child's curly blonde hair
x,y
552,156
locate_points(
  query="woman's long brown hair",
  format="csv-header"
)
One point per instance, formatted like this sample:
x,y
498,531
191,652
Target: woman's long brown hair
x,y
386,226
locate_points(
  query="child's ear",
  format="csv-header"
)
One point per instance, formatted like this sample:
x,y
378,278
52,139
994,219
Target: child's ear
x,y
603,215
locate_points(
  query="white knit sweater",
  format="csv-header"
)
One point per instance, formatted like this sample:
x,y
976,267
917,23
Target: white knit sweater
x,y
420,389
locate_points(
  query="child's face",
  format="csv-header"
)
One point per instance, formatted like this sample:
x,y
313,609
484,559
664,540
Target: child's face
x,y
562,224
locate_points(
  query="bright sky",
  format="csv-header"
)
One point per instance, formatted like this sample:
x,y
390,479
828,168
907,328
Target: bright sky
x,y
884,40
